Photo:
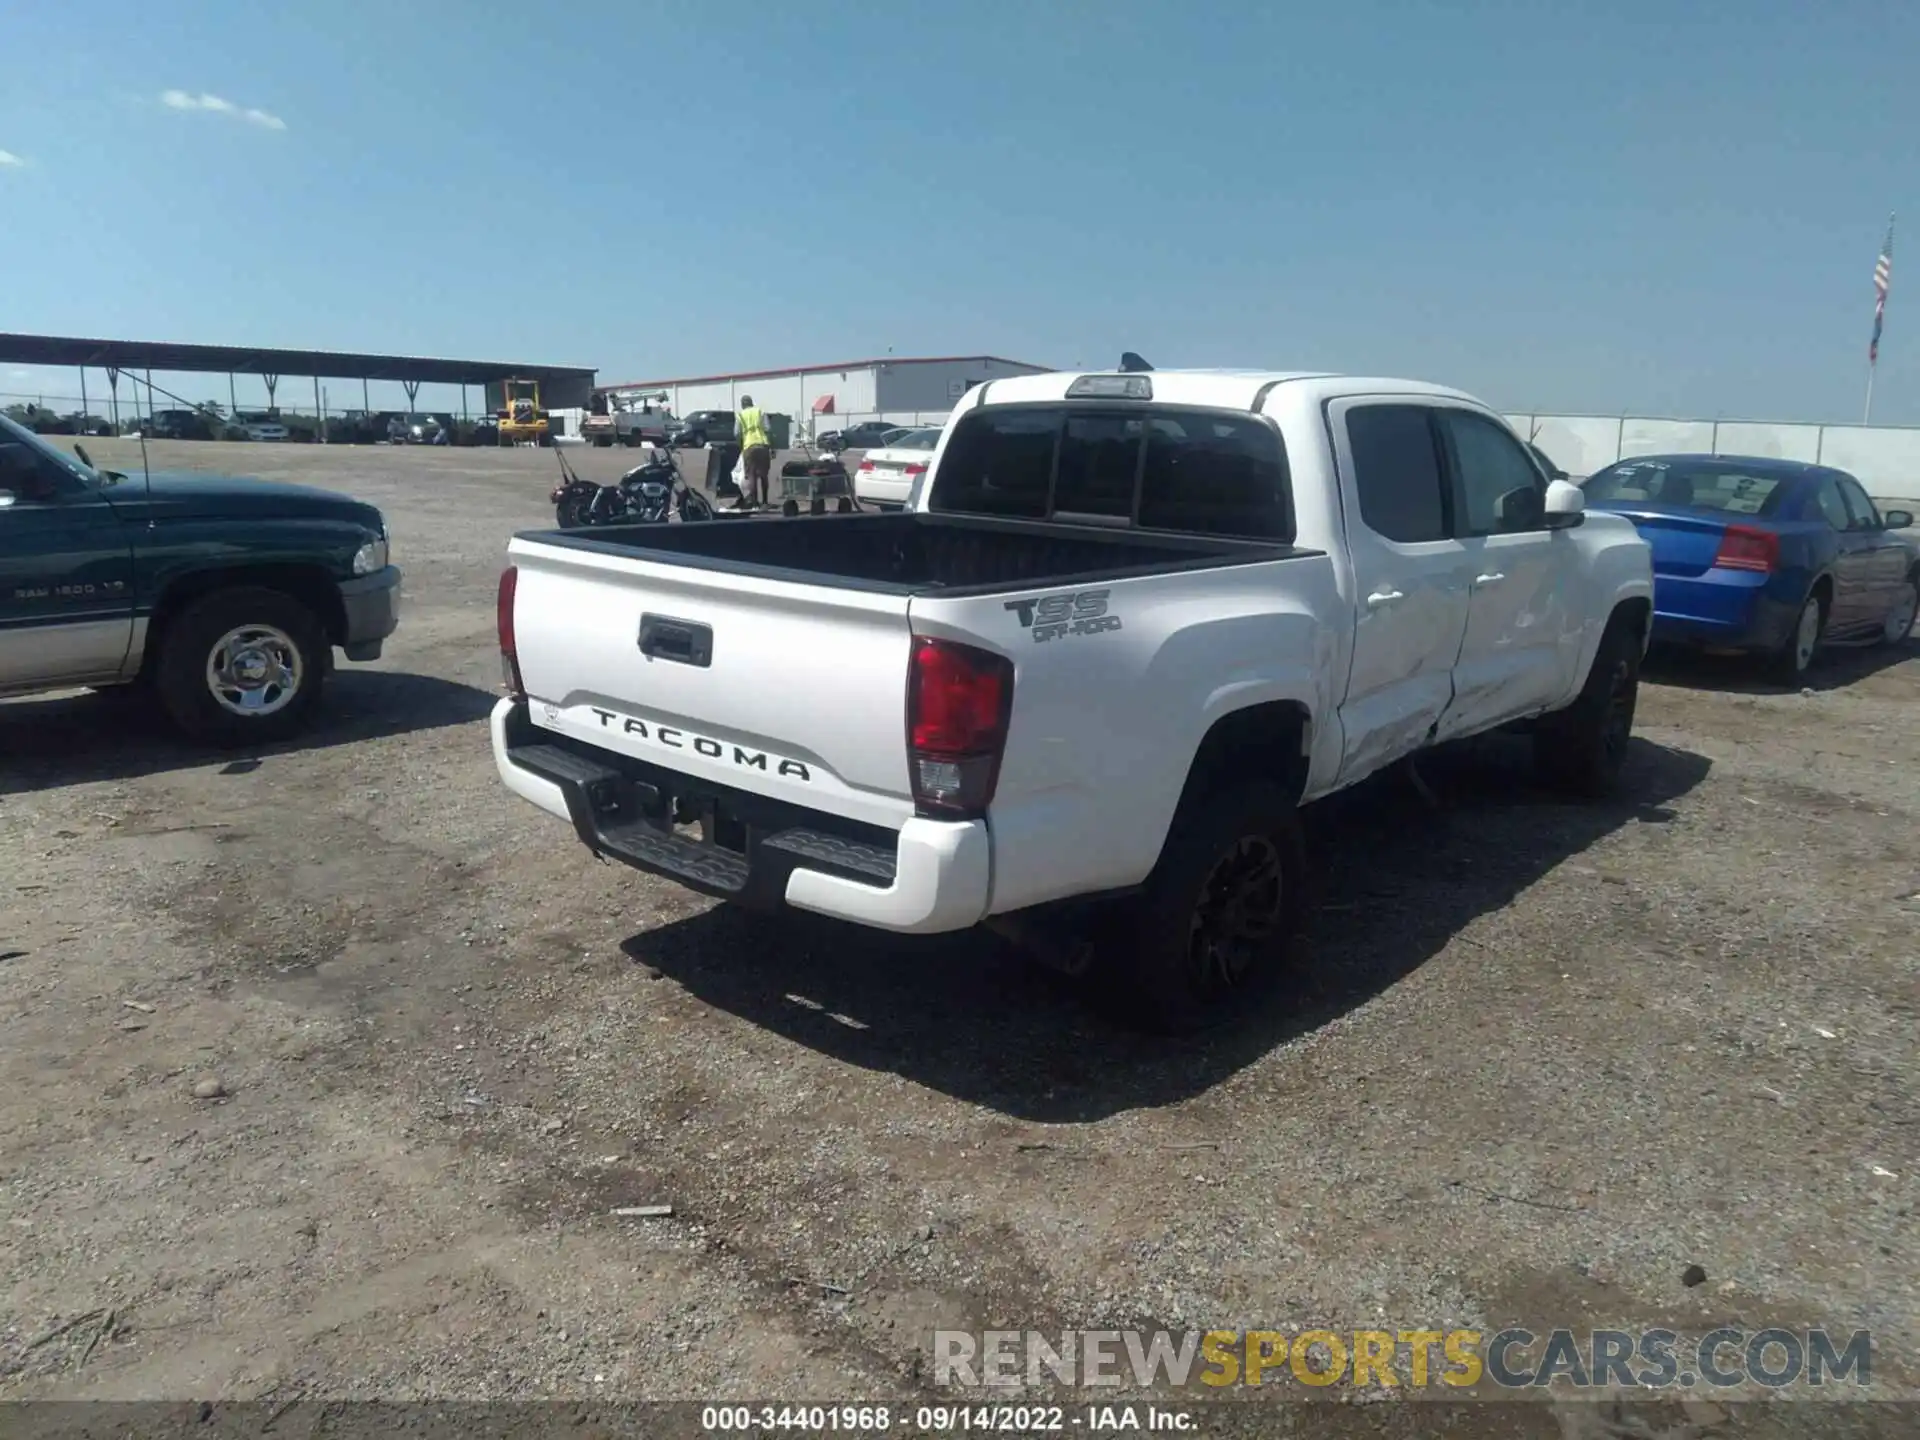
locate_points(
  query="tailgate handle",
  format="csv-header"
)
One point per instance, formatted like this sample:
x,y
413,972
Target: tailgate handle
x,y
686,642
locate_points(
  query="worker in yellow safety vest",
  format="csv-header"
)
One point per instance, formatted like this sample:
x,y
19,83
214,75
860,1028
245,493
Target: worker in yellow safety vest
x,y
756,454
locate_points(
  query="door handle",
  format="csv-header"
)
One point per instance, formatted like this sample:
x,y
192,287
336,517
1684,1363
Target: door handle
x,y
1491,579
1382,598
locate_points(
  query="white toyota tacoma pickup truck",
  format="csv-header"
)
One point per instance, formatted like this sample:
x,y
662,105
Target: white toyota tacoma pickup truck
x,y
1076,691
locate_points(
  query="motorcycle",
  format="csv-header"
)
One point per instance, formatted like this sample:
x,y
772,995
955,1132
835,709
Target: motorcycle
x,y
652,493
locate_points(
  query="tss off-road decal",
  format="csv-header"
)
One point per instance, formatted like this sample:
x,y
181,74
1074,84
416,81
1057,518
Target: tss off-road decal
x,y
1050,617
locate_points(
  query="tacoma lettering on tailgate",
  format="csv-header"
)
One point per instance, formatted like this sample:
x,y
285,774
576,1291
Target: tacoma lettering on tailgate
x,y
1050,617
670,737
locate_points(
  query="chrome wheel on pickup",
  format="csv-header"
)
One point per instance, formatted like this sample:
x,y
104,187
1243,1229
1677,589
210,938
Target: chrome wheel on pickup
x,y
254,670
241,666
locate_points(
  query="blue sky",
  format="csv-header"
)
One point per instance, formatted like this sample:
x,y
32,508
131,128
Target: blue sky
x,y
1654,207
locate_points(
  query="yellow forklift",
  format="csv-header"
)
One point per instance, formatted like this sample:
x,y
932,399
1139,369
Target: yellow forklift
x,y
520,420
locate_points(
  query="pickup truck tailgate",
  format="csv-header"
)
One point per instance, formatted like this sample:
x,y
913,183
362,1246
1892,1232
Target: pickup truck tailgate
x,y
778,687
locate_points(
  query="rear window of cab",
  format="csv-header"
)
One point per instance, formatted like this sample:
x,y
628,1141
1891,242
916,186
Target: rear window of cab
x,y
1159,468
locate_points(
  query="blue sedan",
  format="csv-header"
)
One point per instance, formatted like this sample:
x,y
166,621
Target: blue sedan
x,y
1773,558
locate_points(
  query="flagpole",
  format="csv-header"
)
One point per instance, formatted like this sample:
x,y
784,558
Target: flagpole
x,y
1883,274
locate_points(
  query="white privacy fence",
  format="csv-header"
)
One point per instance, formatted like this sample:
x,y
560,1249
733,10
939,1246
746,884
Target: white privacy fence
x,y
1886,459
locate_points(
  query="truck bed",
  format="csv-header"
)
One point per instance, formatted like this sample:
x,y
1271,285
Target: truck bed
x,y
773,657
909,553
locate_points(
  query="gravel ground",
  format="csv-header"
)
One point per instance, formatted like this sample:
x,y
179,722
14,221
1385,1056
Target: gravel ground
x,y
1541,1058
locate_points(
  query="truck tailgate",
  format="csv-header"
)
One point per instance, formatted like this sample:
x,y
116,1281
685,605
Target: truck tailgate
x,y
785,689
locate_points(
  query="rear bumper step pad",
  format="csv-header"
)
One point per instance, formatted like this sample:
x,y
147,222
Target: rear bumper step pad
x,y
627,819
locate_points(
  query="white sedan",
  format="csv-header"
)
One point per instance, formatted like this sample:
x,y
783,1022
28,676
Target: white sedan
x,y
886,476
267,430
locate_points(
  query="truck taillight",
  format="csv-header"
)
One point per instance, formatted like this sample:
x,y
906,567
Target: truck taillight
x,y
503,621
1745,548
958,701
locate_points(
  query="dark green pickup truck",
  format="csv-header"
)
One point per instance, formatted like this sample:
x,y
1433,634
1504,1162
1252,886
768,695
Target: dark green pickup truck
x,y
225,596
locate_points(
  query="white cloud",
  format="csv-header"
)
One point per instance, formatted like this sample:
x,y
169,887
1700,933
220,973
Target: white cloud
x,y
9,160
184,100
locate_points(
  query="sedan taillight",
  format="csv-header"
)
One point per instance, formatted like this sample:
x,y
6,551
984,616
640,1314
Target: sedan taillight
x,y
1744,547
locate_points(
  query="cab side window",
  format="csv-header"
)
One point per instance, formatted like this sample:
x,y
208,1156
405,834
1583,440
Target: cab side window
x,y
23,473
1498,490
1396,469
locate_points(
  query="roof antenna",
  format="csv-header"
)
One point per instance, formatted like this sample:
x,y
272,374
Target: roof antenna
x,y
146,470
146,479
1132,364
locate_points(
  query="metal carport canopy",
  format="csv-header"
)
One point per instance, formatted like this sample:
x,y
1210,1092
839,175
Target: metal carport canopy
x,y
254,360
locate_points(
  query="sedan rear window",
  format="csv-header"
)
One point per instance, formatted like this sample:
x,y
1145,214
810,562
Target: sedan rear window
x,y
1198,471
1687,485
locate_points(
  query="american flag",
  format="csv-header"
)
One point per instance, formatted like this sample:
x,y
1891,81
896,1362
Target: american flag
x,y
1882,278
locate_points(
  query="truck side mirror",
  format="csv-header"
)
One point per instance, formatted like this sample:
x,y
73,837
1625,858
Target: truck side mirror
x,y
1566,505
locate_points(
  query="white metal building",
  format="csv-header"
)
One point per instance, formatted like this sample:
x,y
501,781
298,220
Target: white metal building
x,y
830,397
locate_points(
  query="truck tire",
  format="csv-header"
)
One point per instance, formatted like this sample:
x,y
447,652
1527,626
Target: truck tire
x,y
241,667
1581,748
1211,928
